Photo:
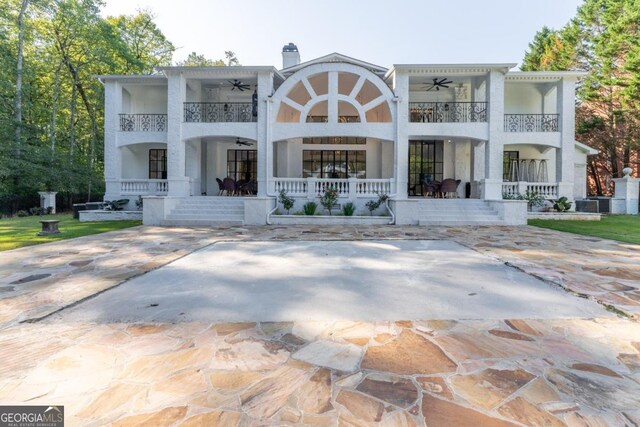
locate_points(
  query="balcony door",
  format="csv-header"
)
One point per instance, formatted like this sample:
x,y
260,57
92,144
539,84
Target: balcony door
x,y
425,161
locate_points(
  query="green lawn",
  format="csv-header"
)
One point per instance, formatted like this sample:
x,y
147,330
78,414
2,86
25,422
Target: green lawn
x,y
19,232
625,228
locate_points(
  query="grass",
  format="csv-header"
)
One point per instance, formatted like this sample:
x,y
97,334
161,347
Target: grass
x,y
19,232
624,228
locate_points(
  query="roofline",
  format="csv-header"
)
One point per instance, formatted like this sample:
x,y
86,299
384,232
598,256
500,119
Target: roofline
x,y
360,62
119,77
504,67
532,75
222,69
584,147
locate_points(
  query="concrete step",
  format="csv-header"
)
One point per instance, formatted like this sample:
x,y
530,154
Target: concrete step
x,y
198,223
192,210
177,216
459,217
460,223
206,212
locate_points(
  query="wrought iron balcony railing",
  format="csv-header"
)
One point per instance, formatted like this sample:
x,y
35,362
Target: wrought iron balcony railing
x,y
447,112
143,122
219,112
531,122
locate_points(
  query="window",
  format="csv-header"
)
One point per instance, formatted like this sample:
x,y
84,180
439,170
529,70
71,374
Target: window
x,y
334,163
157,163
335,140
506,163
242,165
425,162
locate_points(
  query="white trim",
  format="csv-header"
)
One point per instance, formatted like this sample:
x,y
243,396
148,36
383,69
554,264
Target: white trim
x,y
585,148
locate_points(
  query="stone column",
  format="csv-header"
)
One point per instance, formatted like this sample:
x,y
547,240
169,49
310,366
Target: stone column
x,y
112,153
48,200
494,147
566,107
176,96
627,194
264,145
401,152
477,167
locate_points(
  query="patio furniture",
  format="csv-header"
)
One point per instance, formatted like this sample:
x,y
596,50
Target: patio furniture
x,y
229,186
430,188
220,186
449,188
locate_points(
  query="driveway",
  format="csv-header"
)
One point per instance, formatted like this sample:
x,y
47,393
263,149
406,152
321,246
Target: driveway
x,y
559,360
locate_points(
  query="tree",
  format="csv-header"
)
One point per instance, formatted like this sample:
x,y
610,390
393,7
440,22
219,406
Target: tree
x,y
196,60
58,111
603,40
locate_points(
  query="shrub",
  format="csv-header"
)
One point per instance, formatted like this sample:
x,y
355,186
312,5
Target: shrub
x,y
533,199
562,204
37,211
329,198
310,208
286,201
22,213
348,209
139,203
372,205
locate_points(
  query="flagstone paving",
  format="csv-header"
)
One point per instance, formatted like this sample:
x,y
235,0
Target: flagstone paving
x,y
506,372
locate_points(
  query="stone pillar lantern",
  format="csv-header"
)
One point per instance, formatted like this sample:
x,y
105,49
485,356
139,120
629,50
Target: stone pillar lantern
x,y
48,199
627,193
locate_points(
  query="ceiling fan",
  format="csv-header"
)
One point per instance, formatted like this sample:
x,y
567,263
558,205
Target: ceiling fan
x,y
240,142
437,83
237,84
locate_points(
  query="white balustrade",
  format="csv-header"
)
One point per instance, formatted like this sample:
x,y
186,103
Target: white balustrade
x,y
548,190
510,188
293,186
372,187
144,187
351,187
340,185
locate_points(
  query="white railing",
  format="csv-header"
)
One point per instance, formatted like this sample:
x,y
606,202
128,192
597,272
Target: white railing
x,y
548,190
293,186
372,187
351,188
340,185
157,187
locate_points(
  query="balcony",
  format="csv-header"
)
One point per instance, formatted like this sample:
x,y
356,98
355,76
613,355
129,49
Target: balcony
x,y
531,122
143,122
220,112
448,112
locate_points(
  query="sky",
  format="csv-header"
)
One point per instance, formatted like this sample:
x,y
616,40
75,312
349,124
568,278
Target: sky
x,y
380,32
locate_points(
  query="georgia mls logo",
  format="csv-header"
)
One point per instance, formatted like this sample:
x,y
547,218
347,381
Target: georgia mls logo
x,y
31,416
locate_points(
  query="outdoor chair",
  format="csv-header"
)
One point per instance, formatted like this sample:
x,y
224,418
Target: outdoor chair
x,y
229,186
449,188
220,186
430,188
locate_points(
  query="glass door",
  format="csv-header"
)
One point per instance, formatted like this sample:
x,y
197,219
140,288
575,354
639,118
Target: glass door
x,y
425,162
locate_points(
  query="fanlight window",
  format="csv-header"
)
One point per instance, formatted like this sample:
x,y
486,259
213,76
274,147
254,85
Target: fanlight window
x,y
354,98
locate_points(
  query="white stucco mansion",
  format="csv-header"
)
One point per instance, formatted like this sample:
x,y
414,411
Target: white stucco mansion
x,y
336,121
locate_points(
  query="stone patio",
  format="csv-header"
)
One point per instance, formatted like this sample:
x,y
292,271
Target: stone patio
x,y
583,372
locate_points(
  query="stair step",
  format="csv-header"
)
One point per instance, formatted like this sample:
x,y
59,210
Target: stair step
x,y
198,223
461,223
